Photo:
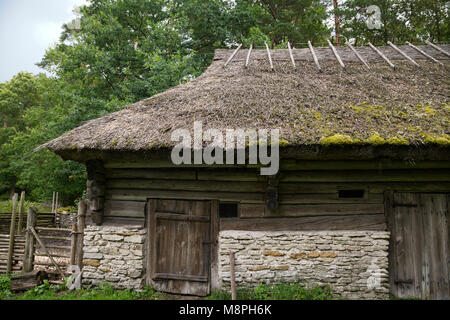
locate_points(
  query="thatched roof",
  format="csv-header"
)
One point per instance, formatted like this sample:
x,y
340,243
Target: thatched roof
x,y
381,106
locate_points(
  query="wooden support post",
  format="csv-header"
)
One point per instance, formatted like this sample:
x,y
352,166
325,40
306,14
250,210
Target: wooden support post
x,y
232,56
232,275
311,48
393,46
291,54
359,56
82,207
12,228
73,244
269,55
95,192
424,53
248,56
56,208
382,55
53,202
438,48
336,54
43,247
21,210
28,257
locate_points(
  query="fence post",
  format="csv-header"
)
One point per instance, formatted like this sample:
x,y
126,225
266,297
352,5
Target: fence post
x,y
28,257
82,207
12,228
21,209
73,244
232,274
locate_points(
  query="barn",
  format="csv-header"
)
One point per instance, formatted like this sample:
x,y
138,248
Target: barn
x,y
360,201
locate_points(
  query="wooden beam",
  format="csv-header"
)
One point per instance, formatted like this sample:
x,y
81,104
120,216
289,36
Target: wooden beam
x,y
382,55
21,209
269,55
438,48
28,257
336,54
292,56
82,208
393,46
359,56
46,252
324,223
423,53
232,56
248,56
11,234
311,48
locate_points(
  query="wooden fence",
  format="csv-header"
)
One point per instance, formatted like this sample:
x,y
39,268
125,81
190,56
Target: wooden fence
x,y
40,245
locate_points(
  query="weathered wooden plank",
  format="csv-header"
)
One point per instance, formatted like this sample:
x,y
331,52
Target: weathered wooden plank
x,y
367,176
170,174
317,198
143,195
252,210
131,209
291,164
325,210
325,223
291,55
248,56
372,187
186,185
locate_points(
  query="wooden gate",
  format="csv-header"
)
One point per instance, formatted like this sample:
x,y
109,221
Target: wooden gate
x,y
181,245
419,253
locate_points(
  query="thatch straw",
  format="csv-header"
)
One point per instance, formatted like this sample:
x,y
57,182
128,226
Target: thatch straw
x,y
404,106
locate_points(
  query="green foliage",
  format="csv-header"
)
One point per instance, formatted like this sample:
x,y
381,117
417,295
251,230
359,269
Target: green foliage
x,y
7,206
105,292
287,291
5,293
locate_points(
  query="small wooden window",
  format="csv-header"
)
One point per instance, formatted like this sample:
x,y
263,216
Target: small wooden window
x,y
228,210
352,194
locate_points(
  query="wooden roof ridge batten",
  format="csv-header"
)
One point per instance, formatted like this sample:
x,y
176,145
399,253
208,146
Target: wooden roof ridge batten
x,y
382,55
248,56
393,46
311,48
423,53
269,55
233,55
336,54
292,56
359,56
438,48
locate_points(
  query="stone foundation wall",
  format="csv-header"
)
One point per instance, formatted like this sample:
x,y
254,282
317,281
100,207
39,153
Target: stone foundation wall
x,y
353,263
114,255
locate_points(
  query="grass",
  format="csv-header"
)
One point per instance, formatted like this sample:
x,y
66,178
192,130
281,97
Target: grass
x,y
7,205
289,291
47,291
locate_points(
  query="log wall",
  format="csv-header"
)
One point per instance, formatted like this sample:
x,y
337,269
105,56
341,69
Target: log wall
x,y
307,191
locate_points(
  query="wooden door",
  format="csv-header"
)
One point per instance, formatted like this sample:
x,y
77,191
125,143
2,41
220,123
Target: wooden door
x,y
419,252
181,245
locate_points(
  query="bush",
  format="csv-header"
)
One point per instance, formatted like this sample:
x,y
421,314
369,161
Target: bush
x,y
287,291
5,293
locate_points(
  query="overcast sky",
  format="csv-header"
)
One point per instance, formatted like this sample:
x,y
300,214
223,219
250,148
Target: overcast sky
x,y
27,28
